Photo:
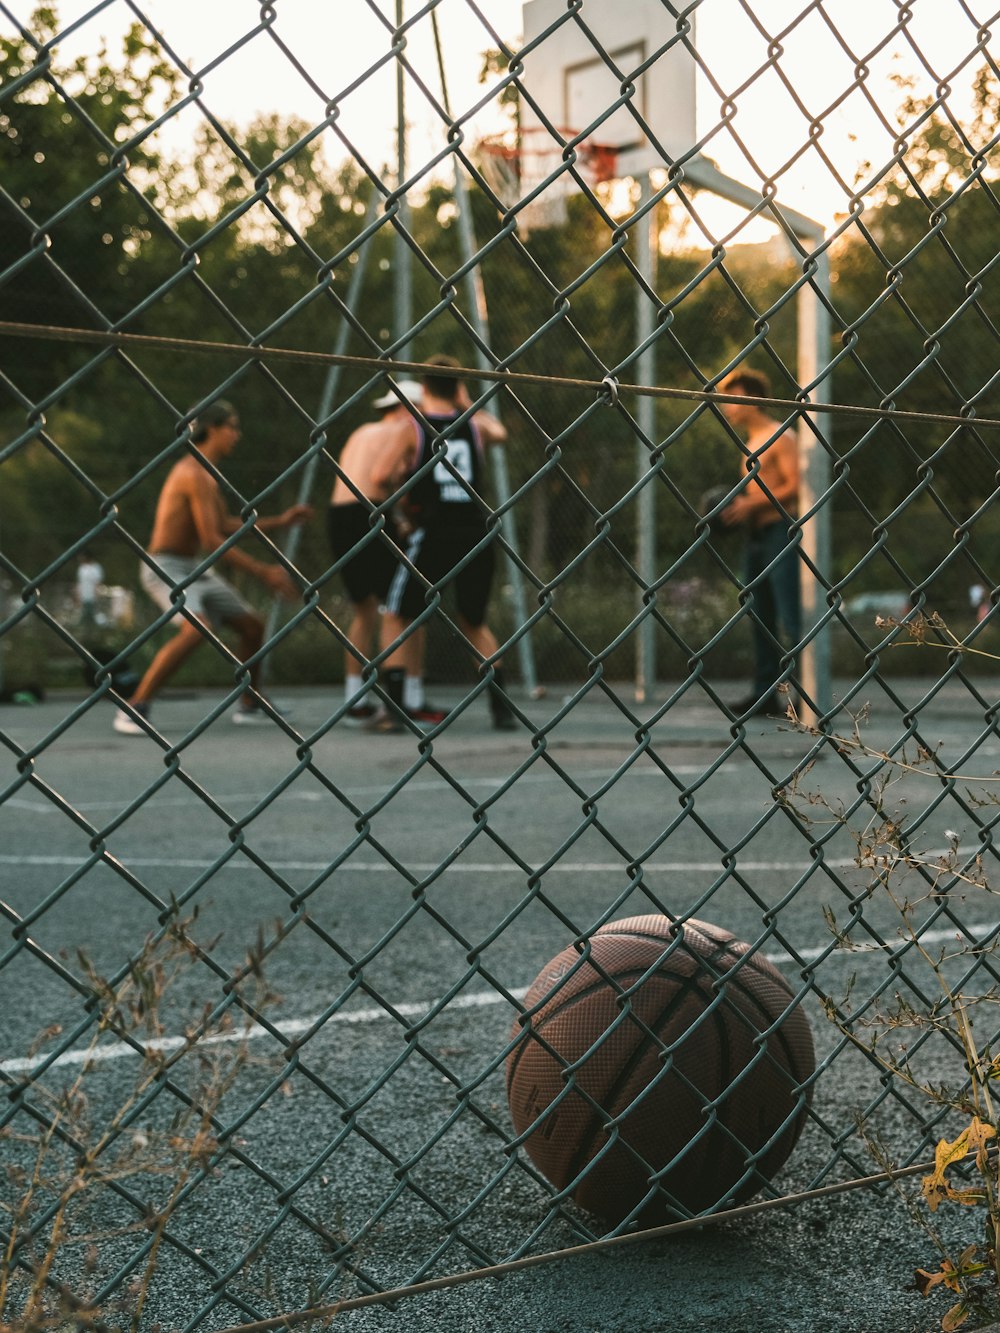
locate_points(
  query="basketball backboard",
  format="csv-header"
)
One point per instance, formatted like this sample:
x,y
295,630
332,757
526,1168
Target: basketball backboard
x,y
575,88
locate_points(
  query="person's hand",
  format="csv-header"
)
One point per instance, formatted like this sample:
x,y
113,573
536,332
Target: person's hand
x,y
737,511
279,581
296,516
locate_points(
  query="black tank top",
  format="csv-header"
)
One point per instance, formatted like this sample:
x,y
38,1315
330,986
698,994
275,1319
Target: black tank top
x,y
439,496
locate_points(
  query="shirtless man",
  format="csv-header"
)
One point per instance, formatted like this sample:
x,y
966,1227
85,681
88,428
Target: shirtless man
x,y
366,574
191,521
760,508
448,523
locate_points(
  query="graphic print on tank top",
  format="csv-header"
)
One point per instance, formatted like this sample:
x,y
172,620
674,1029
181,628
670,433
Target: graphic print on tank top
x,y
439,491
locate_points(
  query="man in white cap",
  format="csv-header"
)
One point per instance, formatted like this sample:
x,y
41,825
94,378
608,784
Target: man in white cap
x,y
368,568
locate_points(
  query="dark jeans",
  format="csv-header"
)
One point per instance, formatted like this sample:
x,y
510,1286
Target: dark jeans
x,y
775,610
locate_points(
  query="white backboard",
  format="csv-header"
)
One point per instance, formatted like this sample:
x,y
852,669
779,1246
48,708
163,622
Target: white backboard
x,y
574,87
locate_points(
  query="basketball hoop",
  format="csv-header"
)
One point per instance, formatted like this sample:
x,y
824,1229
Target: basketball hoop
x,y
515,167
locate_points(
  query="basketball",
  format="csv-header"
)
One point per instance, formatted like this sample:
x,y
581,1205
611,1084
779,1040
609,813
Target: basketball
x,y
708,501
675,1076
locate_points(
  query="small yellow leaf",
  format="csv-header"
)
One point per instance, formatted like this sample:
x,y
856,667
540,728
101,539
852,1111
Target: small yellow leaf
x,y
979,1134
970,1197
947,1154
974,1139
935,1192
967,1259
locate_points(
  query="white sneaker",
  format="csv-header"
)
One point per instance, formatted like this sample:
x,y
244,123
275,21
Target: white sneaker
x,y
126,725
253,715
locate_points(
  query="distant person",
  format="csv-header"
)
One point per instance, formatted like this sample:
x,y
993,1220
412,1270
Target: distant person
x,y
89,577
448,522
979,600
192,521
761,509
367,573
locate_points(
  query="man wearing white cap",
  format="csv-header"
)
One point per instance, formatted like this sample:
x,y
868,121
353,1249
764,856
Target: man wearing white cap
x,y
367,572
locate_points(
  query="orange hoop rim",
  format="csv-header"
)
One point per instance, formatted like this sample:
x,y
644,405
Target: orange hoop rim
x,y
598,159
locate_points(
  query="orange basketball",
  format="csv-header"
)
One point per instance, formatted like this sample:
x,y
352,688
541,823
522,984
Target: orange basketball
x,y
655,1065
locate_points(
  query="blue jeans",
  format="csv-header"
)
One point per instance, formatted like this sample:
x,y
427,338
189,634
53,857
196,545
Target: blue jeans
x,y
775,611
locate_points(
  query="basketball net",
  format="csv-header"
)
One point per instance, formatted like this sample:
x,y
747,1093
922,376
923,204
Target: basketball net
x,y
514,167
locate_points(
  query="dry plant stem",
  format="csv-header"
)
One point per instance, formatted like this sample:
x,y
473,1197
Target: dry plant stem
x,y
132,1006
918,628
881,848
22,1212
201,1146
981,1090
79,1181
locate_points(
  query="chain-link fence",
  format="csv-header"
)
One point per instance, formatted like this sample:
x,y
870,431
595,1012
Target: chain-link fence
x,y
266,1002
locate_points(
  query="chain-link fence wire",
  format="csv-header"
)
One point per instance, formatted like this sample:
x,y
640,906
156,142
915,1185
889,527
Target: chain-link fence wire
x,y
156,281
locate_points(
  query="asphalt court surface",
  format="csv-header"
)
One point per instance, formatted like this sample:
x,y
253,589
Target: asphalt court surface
x,y
393,883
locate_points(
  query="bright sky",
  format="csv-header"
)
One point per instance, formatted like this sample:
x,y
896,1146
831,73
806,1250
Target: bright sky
x,y
335,43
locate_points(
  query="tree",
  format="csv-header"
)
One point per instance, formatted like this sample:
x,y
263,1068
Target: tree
x,y
915,293
74,218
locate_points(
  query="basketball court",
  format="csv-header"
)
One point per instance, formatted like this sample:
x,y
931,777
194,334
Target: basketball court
x,y
265,986
398,953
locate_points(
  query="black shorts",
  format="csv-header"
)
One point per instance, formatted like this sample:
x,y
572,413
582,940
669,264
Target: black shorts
x,y
366,574
435,552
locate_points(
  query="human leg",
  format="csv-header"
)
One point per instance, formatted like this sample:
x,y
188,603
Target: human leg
x,y
361,635
484,641
165,664
367,563
404,601
473,584
169,660
771,574
250,629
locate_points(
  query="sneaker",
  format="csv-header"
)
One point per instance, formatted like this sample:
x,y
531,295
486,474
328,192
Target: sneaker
x,y
253,715
384,723
126,725
426,716
359,715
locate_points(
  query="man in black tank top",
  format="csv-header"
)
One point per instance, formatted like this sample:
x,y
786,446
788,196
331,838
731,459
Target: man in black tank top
x,y
448,542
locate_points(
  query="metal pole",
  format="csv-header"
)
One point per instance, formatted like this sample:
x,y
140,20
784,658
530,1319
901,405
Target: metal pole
x,y
479,317
647,244
498,457
291,545
403,277
814,480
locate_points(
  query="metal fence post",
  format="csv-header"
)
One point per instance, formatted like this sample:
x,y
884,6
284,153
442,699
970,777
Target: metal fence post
x,y
647,243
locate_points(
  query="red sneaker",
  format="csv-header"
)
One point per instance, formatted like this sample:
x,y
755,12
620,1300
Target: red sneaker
x,y
359,715
425,716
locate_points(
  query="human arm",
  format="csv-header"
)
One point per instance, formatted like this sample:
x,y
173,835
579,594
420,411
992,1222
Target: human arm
x,y
214,525
491,429
288,518
775,484
396,456
293,517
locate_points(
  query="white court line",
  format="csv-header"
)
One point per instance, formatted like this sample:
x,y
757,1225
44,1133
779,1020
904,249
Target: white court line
x,y
119,1050
416,785
463,867
477,1000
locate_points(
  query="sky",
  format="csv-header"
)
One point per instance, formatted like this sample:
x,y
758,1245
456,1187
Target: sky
x,y
334,42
